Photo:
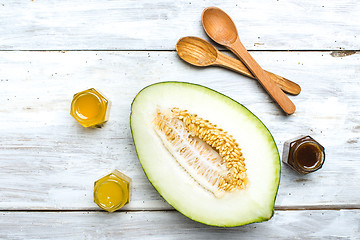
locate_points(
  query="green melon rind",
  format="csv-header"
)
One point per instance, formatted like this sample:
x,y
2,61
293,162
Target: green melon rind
x,y
235,104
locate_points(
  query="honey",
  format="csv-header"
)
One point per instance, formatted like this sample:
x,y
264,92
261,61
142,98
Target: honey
x,y
90,108
304,154
113,191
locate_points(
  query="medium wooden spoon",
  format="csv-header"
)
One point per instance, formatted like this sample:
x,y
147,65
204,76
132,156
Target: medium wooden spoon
x,y
220,28
201,53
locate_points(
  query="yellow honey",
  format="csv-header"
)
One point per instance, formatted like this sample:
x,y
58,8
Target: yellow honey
x,y
113,191
90,108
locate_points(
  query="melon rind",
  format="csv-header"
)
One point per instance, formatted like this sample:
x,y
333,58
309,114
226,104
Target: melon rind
x,y
255,204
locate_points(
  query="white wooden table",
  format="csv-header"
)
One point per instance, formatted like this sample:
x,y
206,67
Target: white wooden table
x,y
50,50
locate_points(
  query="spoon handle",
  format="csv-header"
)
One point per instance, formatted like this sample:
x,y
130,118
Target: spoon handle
x,y
233,64
274,91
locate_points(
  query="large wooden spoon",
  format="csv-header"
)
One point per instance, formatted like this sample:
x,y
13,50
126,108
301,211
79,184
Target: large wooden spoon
x,y
220,28
201,53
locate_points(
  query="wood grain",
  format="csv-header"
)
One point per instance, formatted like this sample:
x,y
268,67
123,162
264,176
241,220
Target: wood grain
x,y
201,53
343,224
50,162
154,25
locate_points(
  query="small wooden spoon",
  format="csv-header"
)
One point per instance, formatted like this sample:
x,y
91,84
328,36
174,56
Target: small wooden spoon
x,y
220,28
201,53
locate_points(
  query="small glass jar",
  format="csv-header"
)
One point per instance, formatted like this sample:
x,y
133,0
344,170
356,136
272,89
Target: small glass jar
x,y
90,108
303,154
113,191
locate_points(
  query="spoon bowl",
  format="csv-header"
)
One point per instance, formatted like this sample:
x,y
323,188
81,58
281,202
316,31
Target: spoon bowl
x,y
219,26
196,51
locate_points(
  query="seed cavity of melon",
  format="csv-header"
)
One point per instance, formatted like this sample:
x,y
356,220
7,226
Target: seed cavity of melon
x,y
208,154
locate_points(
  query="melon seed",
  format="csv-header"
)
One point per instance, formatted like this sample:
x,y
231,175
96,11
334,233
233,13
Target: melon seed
x,y
208,154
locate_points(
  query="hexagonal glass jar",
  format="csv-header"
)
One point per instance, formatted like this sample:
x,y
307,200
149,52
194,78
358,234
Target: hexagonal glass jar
x,y
303,154
90,108
113,191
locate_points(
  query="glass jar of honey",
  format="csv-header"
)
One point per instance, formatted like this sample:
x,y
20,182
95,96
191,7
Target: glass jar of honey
x,y
90,108
113,191
304,154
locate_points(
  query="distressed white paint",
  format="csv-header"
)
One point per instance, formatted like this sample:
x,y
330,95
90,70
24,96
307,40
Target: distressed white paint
x,y
343,224
154,25
48,161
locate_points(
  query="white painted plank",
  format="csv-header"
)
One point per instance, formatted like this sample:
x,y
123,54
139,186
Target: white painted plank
x,y
343,224
155,25
48,161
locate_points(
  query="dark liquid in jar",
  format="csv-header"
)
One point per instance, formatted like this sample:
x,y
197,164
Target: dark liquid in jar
x,y
303,154
308,155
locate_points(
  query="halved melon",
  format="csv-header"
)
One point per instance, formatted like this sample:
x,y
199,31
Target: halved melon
x,y
206,154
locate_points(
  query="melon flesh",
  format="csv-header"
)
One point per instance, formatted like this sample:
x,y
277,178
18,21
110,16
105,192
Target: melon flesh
x,y
176,186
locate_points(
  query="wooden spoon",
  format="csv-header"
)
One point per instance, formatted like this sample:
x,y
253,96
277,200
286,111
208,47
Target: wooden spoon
x,y
220,28
201,53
